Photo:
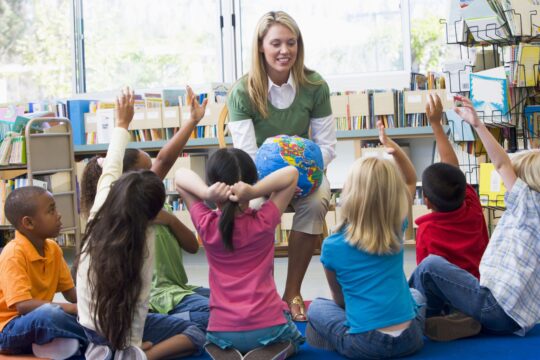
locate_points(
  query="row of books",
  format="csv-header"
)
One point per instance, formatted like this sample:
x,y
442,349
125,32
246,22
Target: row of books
x,y
523,61
13,149
7,186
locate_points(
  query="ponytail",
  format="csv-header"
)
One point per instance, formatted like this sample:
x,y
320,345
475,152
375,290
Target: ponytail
x,y
226,223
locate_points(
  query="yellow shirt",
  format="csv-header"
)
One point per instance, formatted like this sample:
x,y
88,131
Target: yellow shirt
x,y
26,275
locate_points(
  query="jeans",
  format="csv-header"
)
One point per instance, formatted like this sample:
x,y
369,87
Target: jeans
x,y
194,308
40,326
326,329
245,341
158,328
445,284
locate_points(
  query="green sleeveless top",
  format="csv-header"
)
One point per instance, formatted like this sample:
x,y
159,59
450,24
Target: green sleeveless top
x,y
310,102
169,281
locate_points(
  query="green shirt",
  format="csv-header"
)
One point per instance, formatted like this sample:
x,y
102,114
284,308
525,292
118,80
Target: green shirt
x,y
169,281
310,102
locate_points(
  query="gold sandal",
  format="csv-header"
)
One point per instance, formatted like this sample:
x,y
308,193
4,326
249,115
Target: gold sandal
x,y
297,300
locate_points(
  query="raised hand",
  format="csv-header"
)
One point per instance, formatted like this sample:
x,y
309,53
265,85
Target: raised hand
x,y
218,192
389,145
467,111
241,192
124,108
197,110
434,109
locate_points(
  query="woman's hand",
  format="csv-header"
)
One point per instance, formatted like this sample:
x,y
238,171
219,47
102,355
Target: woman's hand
x,y
197,110
124,108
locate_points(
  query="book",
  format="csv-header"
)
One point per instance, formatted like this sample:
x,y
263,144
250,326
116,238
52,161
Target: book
x,y
490,95
75,113
491,189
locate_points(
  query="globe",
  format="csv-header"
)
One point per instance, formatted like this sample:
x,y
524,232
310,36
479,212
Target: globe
x,y
282,150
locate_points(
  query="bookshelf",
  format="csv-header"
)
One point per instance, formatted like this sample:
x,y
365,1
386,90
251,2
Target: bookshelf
x,y
50,163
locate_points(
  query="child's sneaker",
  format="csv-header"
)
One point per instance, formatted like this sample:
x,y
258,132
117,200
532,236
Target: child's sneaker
x,y
275,351
98,352
451,327
58,349
130,353
218,353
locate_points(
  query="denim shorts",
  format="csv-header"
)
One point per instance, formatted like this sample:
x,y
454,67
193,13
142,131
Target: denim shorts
x,y
245,341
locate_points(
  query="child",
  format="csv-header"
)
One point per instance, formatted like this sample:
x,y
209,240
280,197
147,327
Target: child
x,y
246,311
33,269
115,269
170,292
505,299
456,229
373,313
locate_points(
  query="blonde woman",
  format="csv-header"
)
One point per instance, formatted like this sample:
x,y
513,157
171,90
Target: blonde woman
x,y
280,95
373,313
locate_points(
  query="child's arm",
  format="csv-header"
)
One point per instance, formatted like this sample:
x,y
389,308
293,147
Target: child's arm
x,y
112,166
70,295
402,160
335,288
24,307
185,238
281,184
498,156
193,189
169,153
434,110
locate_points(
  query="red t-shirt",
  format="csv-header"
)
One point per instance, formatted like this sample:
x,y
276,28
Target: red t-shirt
x,y
460,236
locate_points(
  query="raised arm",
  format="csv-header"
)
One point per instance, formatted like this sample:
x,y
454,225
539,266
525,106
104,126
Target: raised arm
x,y
402,160
281,184
169,153
434,110
185,238
498,156
193,189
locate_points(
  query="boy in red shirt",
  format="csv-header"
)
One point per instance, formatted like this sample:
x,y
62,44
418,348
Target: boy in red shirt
x,y
456,229
33,269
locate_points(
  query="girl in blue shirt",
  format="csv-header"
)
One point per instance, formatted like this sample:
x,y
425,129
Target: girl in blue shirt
x,y
373,313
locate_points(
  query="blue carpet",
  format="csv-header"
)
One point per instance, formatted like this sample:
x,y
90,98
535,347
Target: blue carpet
x,y
479,347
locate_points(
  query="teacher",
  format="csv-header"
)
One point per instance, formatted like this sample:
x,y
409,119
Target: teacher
x,y
280,95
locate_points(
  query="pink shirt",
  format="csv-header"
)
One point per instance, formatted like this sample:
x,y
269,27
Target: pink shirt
x,y
243,292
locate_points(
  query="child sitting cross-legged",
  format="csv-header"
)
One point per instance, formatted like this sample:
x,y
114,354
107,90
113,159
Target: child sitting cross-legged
x,y
373,313
32,270
247,314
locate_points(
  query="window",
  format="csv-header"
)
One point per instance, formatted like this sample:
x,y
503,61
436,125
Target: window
x,y
150,44
35,50
341,37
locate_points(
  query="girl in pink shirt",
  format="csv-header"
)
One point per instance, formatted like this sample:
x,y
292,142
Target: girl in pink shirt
x,y
246,311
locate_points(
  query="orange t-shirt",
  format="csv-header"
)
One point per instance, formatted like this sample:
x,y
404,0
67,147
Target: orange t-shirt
x,y
26,275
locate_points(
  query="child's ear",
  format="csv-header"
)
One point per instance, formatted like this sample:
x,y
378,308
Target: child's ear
x,y
27,223
428,203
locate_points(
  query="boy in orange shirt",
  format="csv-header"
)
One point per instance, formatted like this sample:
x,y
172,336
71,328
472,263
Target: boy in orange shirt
x,y
33,270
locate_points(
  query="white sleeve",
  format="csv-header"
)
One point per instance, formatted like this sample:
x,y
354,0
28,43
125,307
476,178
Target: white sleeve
x,y
243,136
112,167
323,133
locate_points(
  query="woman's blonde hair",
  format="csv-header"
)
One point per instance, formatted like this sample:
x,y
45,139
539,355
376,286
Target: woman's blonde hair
x,y
258,78
527,167
374,206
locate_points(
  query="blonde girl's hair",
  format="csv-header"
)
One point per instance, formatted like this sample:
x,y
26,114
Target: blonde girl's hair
x,y
374,206
257,83
527,167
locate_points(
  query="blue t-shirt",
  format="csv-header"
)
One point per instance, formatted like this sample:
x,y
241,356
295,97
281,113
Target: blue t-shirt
x,y
374,287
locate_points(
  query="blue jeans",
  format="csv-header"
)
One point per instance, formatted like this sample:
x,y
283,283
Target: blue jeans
x,y
40,326
445,284
194,308
326,329
245,341
158,328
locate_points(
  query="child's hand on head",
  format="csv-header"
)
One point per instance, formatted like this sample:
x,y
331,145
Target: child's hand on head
x,y
197,110
241,192
218,192
467,111
389,144
124,108
163,218
434,109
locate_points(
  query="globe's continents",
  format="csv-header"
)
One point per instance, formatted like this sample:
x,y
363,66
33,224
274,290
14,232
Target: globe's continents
x,y
283,150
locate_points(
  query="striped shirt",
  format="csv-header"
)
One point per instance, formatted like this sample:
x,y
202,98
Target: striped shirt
x,y
510,267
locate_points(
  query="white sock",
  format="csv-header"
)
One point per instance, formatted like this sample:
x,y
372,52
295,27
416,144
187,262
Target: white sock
x,y
58,349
